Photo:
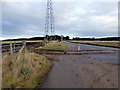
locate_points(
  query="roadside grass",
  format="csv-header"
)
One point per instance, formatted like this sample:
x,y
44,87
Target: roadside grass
x,y
28,71
103,43
53,45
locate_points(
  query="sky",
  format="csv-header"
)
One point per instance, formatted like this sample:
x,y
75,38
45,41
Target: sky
x,y
74,18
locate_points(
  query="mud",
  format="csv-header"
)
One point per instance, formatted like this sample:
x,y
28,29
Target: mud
x,y
83,71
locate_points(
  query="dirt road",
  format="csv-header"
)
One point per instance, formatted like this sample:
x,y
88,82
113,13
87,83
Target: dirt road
x,y
84,71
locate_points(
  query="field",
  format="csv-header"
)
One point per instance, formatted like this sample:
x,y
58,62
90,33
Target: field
x,y
7,42
29,70
53,45
102,43
23,72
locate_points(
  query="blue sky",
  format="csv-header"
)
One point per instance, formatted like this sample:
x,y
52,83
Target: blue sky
x,y
74,18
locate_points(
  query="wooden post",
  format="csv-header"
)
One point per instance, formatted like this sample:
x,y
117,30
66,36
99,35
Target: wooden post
x,y
11,51
14,46
24,44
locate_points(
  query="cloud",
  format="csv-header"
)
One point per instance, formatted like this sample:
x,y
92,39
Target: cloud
x,y
86,19
61,0
22,18
105,19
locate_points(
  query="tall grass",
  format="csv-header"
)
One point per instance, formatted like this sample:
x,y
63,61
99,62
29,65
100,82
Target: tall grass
x,y
53,45
28,71
103,43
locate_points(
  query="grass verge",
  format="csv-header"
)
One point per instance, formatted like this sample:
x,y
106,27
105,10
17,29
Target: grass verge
x,y
53,45
102,43
28,71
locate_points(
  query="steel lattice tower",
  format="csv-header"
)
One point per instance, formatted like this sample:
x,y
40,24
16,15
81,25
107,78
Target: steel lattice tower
x,y
49,23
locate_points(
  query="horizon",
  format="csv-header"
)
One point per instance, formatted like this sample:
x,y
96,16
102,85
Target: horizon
x,y
58,35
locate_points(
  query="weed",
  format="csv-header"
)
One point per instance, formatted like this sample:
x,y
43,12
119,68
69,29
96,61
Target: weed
x,y
25,71
21,74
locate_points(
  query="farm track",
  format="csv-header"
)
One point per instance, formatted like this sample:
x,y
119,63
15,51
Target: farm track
x,y
73,52
92,67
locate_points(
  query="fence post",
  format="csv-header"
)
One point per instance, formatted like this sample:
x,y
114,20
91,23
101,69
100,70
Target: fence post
x,y
24,44
11,50
14,46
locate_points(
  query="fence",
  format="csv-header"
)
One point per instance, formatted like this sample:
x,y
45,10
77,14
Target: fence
x,y
12,47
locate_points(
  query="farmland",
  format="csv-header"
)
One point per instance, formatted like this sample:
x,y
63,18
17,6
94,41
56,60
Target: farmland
x,y
101,43
30,69
27,41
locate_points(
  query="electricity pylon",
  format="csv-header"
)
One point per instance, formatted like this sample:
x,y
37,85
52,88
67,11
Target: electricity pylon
x,y
49,23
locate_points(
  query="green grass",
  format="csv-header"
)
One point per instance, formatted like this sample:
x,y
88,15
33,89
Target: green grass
x,y
103,43
56,46
27,72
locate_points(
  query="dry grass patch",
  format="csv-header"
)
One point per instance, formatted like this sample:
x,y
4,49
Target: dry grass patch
x,y
27,72
104,43
8,42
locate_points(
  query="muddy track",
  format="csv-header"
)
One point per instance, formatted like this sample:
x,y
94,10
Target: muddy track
x,y
96,78
85,69
73,52
44,50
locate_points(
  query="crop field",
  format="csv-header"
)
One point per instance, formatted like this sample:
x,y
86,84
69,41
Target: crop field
x,y
27,41
102,43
